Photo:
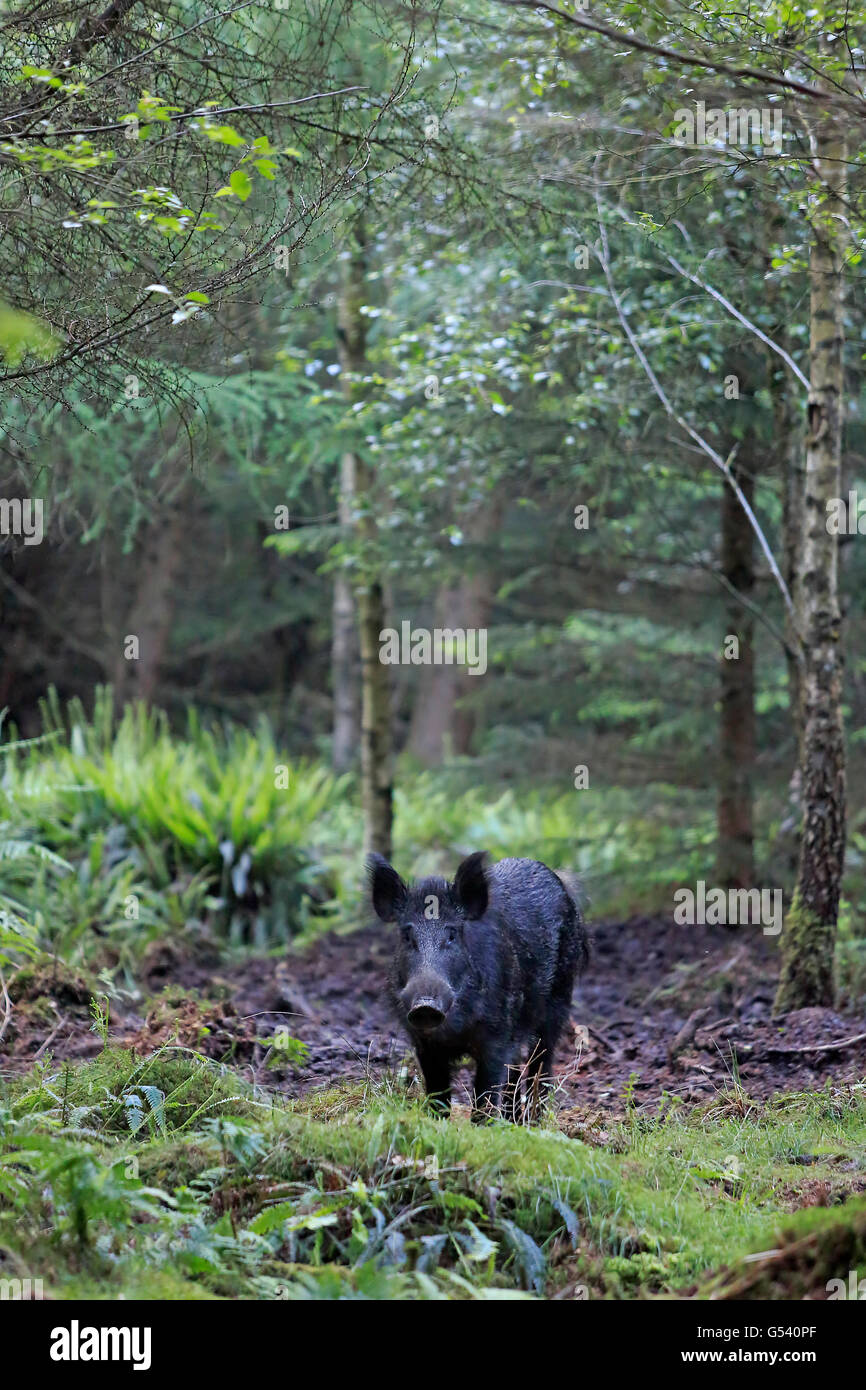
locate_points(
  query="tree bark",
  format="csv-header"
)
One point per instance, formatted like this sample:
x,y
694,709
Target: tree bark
x,y
810,929
377,789
789,434
376,738
735,852
793,526
436,732
344,641
443,723
92,30
152,613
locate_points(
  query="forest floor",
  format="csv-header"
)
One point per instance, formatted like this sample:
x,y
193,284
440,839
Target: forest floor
x,y
663,1011
183,1116
696,1147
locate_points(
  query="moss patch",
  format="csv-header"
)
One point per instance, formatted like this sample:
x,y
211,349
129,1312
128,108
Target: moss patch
x,y
807,977
356,1192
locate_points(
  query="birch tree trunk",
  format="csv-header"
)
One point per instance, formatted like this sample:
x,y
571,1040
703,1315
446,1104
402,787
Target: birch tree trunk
x,y
808,938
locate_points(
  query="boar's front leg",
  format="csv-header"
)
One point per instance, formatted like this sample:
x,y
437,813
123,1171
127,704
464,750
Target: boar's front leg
x,y
436,1070
489,1082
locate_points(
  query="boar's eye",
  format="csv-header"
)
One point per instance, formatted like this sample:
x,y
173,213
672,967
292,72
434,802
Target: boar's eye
x,y
451,936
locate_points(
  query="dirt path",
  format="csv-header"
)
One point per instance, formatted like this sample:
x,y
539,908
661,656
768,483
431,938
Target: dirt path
x,y
662,1008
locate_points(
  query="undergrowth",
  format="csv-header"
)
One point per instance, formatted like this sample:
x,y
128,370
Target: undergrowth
x,y
117,832
170,1176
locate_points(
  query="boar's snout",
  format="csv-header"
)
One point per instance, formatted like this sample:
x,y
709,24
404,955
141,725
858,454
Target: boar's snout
x,y
426,1014
427,1001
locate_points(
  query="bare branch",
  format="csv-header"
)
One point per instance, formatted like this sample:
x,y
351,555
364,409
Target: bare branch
x,y
724,465
696,60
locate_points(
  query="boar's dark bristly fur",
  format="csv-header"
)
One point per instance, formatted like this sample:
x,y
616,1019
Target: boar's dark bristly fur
x,y
483,966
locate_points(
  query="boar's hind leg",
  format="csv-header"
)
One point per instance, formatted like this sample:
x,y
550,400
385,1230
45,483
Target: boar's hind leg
x,y
436,1071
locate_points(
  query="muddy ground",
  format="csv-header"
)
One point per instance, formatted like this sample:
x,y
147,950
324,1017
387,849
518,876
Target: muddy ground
x,y
661,1009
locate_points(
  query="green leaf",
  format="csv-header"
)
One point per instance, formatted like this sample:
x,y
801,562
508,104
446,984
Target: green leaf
x,y
226,135
241,184
21,333
528,1257
271,1218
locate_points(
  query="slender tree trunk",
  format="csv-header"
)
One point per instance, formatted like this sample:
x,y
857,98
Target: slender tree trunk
x,y
810,929
376,778
789,458
344,641
376,738
735,862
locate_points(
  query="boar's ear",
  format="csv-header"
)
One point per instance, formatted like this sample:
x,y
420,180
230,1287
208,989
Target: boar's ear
x,y
470,885
387,889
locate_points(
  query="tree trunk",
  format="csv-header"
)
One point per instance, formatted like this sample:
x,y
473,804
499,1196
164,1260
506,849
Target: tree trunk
x,y
789,458
356,480
152,613
344,642
735,861
793,528
376,756
435,732
443,723
789,434
809,936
